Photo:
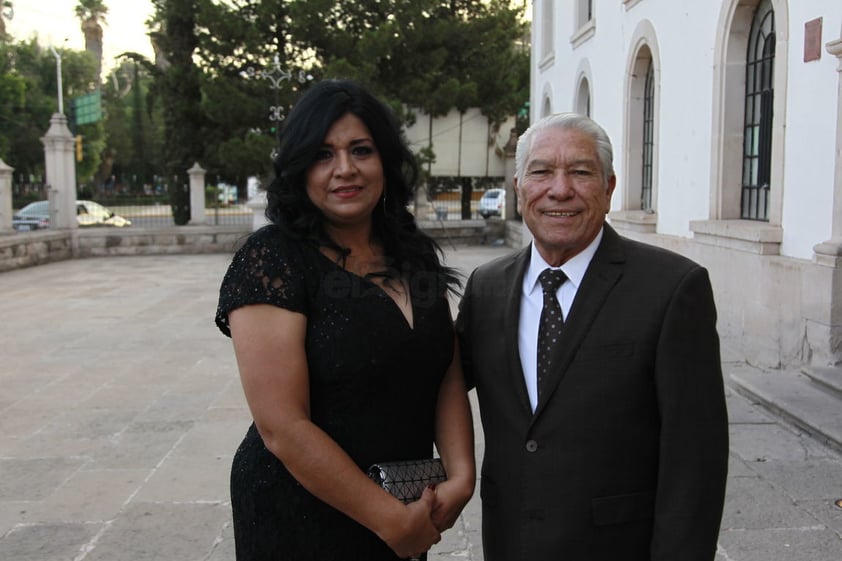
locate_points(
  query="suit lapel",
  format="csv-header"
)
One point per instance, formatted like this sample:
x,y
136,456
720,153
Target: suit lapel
x,y
604,271
515,271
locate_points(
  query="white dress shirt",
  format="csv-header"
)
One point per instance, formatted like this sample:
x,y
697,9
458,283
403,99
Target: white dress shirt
x,y
532,301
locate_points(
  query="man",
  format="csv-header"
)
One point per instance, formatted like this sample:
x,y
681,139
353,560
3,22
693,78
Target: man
x,y
610,442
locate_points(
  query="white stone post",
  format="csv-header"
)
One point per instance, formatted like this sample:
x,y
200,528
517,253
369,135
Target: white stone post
x,y
5,197
197,194
258,204
61,172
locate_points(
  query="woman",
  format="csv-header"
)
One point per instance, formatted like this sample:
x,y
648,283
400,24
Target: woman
x,y
341,327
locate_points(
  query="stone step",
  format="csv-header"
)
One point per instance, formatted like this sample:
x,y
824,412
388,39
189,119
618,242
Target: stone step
x,y
797,398
829,378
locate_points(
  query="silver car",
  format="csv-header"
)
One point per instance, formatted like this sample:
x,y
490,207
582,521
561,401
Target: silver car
x,y
492,203
36,216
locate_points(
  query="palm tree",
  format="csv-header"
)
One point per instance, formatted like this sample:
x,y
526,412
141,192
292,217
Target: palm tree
x,y
7,11
92,13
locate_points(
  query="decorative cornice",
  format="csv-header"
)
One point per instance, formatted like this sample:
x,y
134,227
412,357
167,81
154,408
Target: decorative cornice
x,y
835,48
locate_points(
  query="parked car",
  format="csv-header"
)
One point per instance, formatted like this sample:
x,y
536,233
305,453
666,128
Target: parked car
x,y
36,216
492,203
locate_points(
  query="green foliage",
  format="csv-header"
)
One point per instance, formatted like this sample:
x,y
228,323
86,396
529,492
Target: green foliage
x,y
28,98
205,98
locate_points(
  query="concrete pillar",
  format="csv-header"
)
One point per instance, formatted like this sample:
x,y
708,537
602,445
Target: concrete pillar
x,y
61,172
197,194
5,197
823,300
258,205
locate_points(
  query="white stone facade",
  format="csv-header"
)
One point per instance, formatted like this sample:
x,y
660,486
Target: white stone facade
x,y
465,144
777,276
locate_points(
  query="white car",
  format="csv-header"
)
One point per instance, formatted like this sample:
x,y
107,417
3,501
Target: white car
x,y
36,216
493,203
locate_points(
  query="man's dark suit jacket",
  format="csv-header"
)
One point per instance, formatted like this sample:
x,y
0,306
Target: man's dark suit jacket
x,y
626,455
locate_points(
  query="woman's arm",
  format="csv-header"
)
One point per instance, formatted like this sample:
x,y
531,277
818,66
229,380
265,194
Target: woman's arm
x,y
269,346
455,444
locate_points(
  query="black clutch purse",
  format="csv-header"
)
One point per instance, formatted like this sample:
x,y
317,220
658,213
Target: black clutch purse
x,y
406,480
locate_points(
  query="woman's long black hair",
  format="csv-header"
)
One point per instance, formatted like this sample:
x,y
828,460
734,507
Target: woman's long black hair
x,y
408,249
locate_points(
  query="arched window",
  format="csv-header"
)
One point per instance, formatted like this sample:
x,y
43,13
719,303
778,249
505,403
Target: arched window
x,y
757,129
648,138
583,98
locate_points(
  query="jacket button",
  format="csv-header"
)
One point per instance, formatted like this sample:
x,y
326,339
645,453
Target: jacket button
x,y
531,446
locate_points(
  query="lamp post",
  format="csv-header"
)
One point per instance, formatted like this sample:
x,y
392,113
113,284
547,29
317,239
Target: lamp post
x,y
276,75
58,79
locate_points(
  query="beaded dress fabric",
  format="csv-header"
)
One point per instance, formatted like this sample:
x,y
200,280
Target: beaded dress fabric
x,y
374,381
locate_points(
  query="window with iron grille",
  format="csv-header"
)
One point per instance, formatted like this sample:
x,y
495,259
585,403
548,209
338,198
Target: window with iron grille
x,y
648,137
760,95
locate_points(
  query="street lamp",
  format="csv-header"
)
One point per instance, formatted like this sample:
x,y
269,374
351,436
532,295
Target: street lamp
x,y
58,79
276,76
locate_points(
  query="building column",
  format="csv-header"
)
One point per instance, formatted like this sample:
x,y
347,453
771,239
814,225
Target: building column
x,y
822,303
61,172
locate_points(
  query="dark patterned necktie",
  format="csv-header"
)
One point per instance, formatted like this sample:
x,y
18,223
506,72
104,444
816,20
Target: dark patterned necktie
x,y
552,320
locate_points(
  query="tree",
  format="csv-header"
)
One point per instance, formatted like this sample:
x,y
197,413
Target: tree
x,y
178,88
434,55
7,11
91,14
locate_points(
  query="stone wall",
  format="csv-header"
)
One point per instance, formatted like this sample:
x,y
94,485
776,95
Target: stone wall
x,y
27,249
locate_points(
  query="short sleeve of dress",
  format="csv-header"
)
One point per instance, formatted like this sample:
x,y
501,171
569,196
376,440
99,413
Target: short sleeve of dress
x,y
266,270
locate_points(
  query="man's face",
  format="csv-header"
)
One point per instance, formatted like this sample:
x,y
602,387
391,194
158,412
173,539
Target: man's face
x,y
563,196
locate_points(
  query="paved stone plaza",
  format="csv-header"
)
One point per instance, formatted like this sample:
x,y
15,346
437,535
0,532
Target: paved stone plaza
x,y
120,410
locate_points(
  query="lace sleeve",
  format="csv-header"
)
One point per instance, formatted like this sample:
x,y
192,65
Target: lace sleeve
x,y
261,272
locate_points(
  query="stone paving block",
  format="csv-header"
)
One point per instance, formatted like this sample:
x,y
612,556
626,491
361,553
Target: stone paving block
x,y
46,444
34,479
174,407
754,503
743,411
737,467
90,496
94,422
817,479
231,396
210,440
826,512
13,513
804,544
202,479
767,442
162,532
27,416
223,547
46,542
124,394
142,445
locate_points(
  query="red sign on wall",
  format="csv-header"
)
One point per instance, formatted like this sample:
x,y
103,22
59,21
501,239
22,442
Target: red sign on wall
x,y
813,40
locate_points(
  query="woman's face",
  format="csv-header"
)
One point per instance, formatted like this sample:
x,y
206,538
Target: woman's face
x,y
345,180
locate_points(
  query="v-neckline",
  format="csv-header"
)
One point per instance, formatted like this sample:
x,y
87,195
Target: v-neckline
x,y
409,321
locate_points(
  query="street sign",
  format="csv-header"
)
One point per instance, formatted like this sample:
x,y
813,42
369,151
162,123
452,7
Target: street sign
x,y
87,108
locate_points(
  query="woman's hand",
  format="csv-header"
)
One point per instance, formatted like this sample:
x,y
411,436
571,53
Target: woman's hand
x,y
412,535
451,498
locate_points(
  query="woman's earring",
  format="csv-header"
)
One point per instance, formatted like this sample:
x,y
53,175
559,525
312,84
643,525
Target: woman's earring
x,y
384,201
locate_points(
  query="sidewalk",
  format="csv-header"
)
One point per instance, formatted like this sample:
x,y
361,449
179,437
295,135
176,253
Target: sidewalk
x,y
120,410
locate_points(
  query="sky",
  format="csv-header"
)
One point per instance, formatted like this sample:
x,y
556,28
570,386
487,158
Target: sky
x,y
55,23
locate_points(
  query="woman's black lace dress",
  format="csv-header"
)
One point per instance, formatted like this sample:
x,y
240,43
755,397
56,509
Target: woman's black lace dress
x,y
373,387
